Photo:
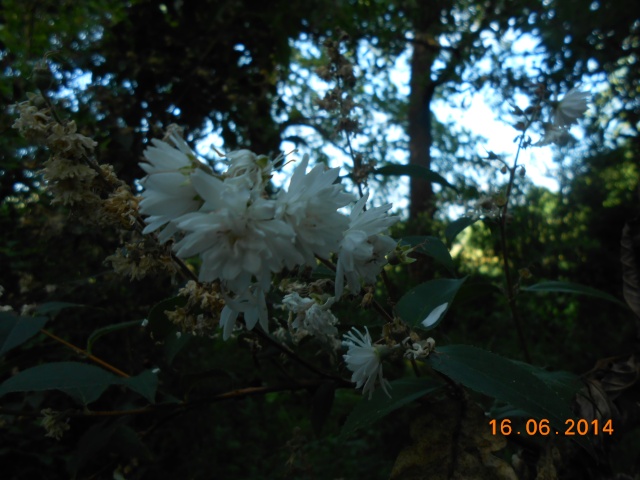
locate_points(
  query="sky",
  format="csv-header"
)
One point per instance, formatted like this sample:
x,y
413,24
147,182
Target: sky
x,y
477,117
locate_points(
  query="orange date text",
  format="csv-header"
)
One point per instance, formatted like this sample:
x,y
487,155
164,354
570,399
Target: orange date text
x,y
580,427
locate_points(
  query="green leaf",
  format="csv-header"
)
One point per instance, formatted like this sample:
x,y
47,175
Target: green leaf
x,y
53,308
321,404
109,329
83,382
418,303
433,247
414,171
126,441
565,384
502,379
455,227
14,330
403,392
568,287
146,384
94,440
630,260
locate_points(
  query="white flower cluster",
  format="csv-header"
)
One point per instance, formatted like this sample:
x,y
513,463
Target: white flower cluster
x,y
565,113
244,234
312,318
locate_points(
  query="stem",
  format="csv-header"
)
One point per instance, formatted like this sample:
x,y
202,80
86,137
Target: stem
x,y
510,287
290,353
376,306
232,394
80,351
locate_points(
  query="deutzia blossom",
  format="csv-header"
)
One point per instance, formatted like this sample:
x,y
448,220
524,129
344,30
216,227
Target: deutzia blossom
x,y
248,170
310,205
168,191
312,318
252,304
236,235
364,246
553,134
570,108
364,360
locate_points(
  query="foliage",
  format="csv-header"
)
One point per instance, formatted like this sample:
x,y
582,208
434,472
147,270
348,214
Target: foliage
x,y
125,376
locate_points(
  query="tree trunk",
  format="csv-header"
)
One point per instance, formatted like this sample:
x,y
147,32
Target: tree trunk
x,y
420,135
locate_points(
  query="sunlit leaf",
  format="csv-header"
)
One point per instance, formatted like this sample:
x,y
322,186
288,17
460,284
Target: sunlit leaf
x,y
420,302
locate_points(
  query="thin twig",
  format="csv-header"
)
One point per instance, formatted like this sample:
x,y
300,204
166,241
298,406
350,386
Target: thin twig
x,y
84,353
511,294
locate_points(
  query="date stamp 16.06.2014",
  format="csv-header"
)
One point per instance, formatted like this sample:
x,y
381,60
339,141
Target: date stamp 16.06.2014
x,y
572,427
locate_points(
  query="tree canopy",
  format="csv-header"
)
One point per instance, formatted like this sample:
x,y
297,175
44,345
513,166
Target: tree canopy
x,y
166,314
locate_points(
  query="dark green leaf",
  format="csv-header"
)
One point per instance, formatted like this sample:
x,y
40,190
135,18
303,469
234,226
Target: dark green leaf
x,y
503,380
414,171
83,382
146,384
565,384
418,303
568,287
455,227
403,392
321,405
433,247
109,329
630,259
127,442
14,330
53,308
94,440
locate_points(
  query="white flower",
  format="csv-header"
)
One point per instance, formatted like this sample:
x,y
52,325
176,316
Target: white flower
x,y
248,170
364,247
570,108
168,191
553,134
421,349
364,360
310,205
252,304
312,318
236,236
